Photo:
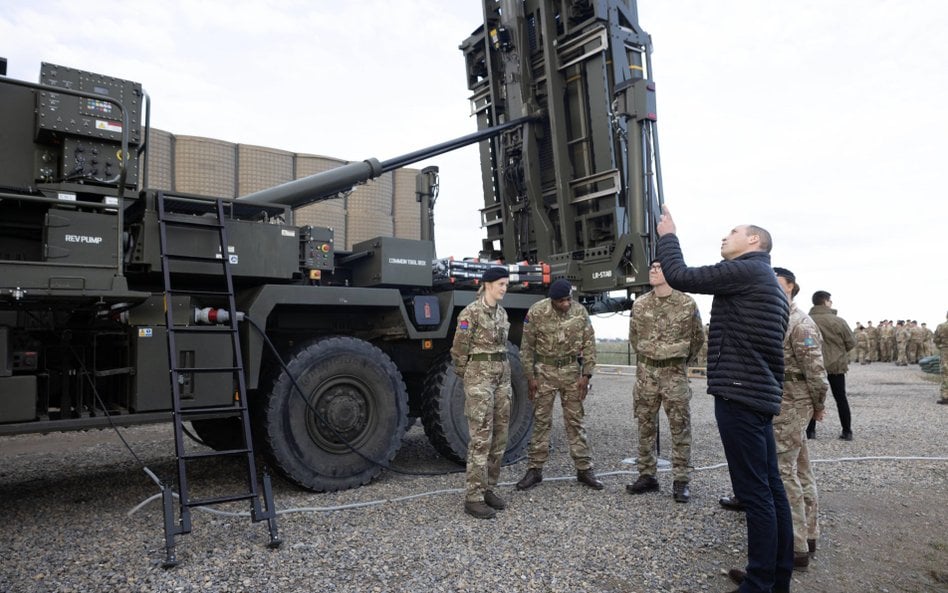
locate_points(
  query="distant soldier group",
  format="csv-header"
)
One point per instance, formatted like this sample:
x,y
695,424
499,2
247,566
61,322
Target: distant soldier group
x,y
940,339
904,343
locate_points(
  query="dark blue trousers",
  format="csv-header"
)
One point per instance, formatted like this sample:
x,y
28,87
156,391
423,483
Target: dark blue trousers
x,y
748,439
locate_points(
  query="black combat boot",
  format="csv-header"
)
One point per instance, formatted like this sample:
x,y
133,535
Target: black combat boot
x,y
644,484
479,509
588,477
494,501
533,477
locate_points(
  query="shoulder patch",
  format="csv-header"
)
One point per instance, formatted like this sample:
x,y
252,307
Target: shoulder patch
x,y
527,318
463,325
809,342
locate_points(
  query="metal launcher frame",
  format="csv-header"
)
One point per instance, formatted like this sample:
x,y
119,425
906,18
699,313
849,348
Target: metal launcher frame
x,y
579,189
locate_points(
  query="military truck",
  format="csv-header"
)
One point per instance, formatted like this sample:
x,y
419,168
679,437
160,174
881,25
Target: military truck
x,y
122,304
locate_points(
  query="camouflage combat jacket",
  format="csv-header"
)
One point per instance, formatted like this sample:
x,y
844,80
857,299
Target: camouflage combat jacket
x,y
941,336
902,335
666,327
481,329
554,335
803,358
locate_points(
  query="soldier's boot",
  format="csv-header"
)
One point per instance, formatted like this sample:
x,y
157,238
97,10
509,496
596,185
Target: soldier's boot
x,y
479,509
533,477
644,484
811,547
680,491
494,501
588,477
801,561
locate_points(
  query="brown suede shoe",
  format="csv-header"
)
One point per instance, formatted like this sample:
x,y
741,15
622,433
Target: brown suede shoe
x,y
533,477
588,477
680,491
736,575
494,501
479,509
731,503
644,484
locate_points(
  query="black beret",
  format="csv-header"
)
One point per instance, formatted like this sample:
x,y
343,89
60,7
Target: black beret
x,y
495,273
560,289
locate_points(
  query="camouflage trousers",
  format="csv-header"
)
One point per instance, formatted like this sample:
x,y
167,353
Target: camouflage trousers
x,y
487,409
911,352
944,375
563,380
793,461
885,351
862,353
902,357
656,388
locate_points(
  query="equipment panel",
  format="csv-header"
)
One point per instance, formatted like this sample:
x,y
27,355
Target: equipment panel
x,y
65,113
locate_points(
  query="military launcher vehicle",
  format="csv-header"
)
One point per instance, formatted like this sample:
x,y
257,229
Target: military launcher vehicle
x,y
121,304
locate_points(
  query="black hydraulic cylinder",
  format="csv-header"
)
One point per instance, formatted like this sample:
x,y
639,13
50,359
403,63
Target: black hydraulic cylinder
x,y
328,184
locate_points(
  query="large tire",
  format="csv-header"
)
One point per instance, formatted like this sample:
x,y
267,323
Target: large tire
x,y
356,400
443,412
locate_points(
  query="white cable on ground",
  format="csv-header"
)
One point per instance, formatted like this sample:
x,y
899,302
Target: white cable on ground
x,y
359,505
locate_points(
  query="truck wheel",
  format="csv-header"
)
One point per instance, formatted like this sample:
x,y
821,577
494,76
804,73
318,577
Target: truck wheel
x,y
443,412
220,434
353,398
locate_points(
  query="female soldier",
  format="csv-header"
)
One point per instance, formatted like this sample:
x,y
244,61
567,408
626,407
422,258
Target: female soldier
x,y
479,354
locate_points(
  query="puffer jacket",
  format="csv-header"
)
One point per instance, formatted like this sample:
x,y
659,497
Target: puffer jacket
x,y
749,316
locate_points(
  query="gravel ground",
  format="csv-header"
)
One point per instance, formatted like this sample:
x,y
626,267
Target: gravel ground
x,y
65,499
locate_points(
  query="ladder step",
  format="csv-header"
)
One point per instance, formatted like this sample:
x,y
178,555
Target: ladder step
x,y
217,293
210,223
206,454
193,258
213,410
207,369
201,502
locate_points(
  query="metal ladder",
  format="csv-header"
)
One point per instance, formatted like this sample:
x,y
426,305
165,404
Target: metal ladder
x,y
183,371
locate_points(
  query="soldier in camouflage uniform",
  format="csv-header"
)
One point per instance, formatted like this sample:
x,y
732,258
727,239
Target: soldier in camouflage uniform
x,y
873,342
941,340
901,341
558,352
916,337
862,344
479,354
928,344
665,332
804,391
886,341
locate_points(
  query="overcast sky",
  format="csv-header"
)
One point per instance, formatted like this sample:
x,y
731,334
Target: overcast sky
x,y
822,121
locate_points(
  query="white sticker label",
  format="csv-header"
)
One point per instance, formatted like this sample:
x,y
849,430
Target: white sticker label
x,y
401,261
108,126
66,196
144,332
288,232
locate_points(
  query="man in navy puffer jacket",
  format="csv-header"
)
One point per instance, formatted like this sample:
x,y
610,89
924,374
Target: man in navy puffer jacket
x,y
749,316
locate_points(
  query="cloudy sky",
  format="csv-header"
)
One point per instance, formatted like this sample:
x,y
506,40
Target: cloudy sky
x,y
822,121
